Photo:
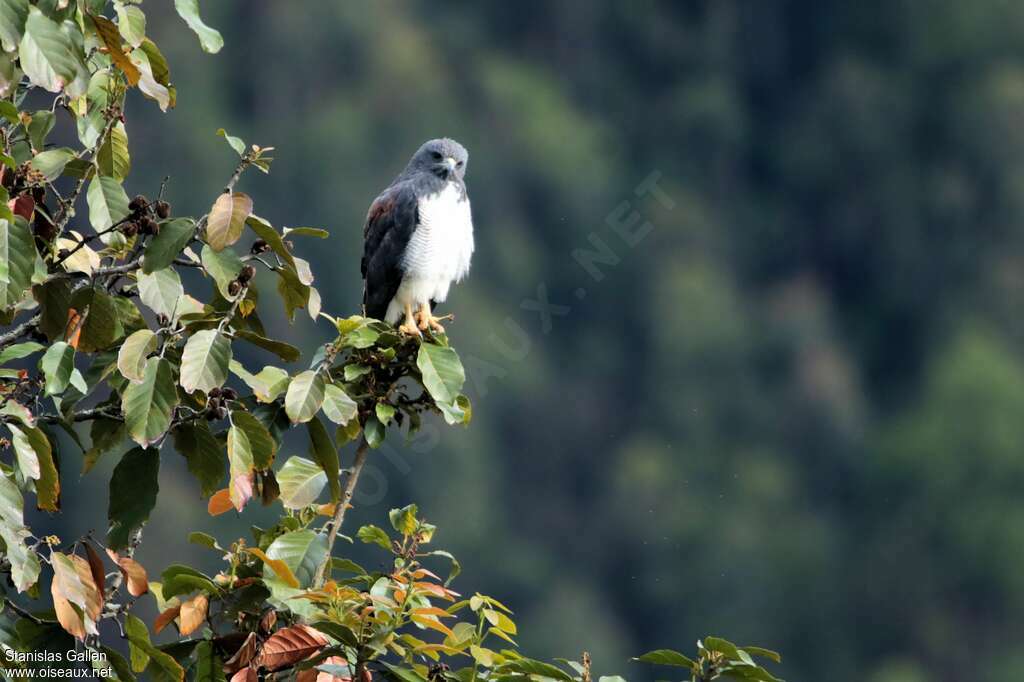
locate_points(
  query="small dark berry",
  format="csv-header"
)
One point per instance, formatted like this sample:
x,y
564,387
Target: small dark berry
x,y
63,253
163,209
130,228
215,392
234,287
211,416
247,273
138,203
230,394
149,226
38,193
258,246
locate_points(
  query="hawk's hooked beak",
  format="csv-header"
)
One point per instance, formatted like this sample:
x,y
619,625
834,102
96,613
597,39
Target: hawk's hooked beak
x,y
449,162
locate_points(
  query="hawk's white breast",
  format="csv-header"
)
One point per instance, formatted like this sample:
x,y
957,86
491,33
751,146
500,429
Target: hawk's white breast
x,y
439,251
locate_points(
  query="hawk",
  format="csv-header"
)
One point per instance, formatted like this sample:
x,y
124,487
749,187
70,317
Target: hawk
x,y
418,239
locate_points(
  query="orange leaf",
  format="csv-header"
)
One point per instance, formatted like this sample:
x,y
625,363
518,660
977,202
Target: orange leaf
x,y
289,646
279,567
432,611
436,590
69,618
133,572
193,613
433,624
314,675
243,656
73,329
220,502
165,618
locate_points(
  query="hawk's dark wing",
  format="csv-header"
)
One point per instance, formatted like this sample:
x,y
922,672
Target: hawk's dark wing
x,y
390,222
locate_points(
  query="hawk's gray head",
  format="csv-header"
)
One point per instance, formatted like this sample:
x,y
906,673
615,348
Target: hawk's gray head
x,y
442,157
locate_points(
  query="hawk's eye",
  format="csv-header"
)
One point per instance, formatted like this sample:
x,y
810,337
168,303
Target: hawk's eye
x,y
460,164
436,155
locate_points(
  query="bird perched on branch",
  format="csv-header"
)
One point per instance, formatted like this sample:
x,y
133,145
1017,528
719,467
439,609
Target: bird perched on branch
x,y
418,239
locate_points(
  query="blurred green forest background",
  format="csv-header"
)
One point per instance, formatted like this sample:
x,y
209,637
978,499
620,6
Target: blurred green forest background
x,y
792,414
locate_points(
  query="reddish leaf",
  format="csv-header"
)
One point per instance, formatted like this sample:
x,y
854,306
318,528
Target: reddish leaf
x,y
69,618
96,568
289,646
22,205
241,485
73,328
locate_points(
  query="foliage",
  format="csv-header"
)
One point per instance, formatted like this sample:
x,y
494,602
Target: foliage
x,y
108,333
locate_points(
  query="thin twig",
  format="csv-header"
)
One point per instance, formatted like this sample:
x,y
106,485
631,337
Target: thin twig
x,y
19,331
339,512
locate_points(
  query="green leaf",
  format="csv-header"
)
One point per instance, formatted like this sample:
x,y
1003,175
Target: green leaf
x,y
301,482
261,443
227,219
150,83
107,201
303,551
269,383
385,413
209,38
131,358
24,562
51,163
106,434
13,14
162,666
131,22
285,351
203,540
223,266
20,350
204,454
56,365
267,233
240,463
666,657
165,247
372,535
35,460
18,257
122,669
161,291
178,579
374,432
54,299
404,520
763,653
133,490
112,160
354,371
102,325
209,666
304,397
325,454
442,372
204,362
149,405
528,666
47,53
307,232
338,407
236,143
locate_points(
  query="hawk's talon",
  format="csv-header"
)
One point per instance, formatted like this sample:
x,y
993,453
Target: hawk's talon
x,y
411,330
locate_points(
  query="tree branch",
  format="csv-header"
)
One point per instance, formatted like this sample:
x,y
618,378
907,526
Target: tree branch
x,y
339,513
19,331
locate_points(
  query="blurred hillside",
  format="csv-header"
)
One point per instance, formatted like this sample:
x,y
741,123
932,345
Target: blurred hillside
x,y
792,413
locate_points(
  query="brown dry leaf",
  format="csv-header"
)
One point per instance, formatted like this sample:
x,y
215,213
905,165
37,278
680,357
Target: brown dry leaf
x,y
111,37
243,656
193,613
268,621
314,675
166,618
134,574
99,576
69,618
77,585
220,502
289,646
246,675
